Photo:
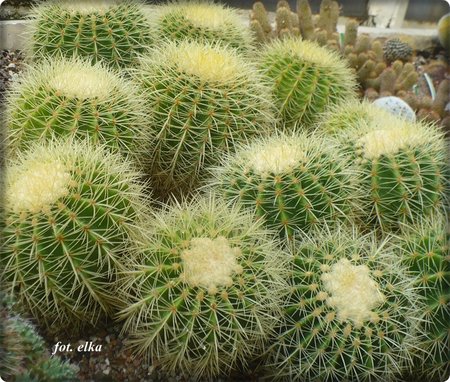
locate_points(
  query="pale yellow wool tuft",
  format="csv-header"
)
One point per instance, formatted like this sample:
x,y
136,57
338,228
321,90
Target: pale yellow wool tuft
x,y
276,157
206,15
86,7
81,81
39,186
353,293
390,141
309,52
210,263
210,64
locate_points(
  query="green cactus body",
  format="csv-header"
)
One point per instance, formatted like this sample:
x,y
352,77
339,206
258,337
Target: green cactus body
x,y
350,315
70,211
71,98
111,31
203,296
294,182
402,169
204,99
305,79
424,248
201,21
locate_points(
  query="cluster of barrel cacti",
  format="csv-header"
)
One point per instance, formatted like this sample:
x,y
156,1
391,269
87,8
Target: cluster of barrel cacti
x,y
236,210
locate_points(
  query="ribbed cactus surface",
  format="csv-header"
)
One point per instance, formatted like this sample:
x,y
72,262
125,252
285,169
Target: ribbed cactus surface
x,y
72,98
292,181
349,315
403,169
424,249
201,21
112,31
202,296
70,211
203,100
305,79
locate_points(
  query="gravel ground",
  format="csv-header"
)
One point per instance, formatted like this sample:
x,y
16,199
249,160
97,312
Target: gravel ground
x,y
11,64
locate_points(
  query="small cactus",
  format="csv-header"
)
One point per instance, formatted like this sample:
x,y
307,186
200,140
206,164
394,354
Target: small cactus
x,y
349,115
71,98
424,248
350,314
293,182
203,296
402,168
201,21
204,99
23,353
112,31
70,209
305,79
394,50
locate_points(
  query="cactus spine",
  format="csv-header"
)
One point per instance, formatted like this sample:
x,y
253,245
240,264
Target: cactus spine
x,y
305,79
402,168
65,98
70,211
350,315
204,99
201,21
112,31
294,182
201,298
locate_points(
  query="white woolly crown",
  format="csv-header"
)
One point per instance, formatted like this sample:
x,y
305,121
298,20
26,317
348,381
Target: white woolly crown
x,y
211,63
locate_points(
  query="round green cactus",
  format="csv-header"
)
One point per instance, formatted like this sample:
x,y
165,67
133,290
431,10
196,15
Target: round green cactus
x,y
70,210
203,296
112,31
402,167
350,314
424,248
204,99
65,98
350,115
201,21
305,79
293,182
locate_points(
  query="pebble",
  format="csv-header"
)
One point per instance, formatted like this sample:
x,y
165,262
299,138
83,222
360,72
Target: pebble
x,y
397,107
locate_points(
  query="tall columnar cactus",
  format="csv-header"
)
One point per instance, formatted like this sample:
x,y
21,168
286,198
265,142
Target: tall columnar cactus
x,y
113,31
65,98
350,314
402,167
292,181
70,210
424,248
204,99
305,79
201,21
204,294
